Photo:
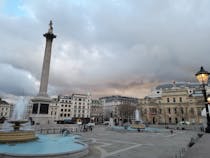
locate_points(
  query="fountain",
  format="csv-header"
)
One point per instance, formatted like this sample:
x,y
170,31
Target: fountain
x,y
17,141
138,123
16,134
137,126
43,146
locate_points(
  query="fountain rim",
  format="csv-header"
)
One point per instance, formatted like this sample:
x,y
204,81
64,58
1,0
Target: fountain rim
x,y
19,121
50,154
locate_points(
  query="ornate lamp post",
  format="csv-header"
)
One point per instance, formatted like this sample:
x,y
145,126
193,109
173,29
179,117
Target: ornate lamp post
x,y
202,77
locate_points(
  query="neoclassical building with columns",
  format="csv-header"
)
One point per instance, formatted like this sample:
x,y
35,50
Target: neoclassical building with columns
x,y
172,104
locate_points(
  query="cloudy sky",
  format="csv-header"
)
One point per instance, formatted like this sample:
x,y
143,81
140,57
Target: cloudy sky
x,y
105,47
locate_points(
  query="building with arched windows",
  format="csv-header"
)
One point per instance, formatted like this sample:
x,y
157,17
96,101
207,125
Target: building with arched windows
x,y
173,103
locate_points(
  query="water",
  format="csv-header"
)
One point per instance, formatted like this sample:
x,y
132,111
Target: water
x,y
18,114
46,144
6,126
20,109
137,117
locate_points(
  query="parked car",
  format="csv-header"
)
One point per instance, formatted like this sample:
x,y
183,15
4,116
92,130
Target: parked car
x,y
91,124
183,125
106,123
79,123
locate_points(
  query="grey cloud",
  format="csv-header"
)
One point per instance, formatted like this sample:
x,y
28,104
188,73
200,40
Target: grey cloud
x,y
16,81
110,45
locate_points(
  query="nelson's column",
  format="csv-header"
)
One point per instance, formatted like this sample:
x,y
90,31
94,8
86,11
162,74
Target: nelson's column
x,y
41,103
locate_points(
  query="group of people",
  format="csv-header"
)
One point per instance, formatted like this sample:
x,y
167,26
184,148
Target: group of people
x,y
86,128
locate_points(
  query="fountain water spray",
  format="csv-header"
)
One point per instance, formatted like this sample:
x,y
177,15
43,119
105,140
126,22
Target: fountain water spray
x,y
137,117
20,109
18,114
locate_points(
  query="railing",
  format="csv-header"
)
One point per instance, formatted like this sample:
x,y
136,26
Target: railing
x,y
56,130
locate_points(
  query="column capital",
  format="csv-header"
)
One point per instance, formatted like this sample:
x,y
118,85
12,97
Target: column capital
x,y
49,34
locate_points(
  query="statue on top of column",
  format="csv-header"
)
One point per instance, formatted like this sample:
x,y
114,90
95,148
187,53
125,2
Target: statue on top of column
x,y
51,28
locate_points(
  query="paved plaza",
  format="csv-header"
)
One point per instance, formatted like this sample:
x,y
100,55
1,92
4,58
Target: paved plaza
x,y
200,149
105,143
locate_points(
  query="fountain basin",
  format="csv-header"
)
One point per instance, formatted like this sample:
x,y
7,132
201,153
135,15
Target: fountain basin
x,y
17,136
52,146
138,126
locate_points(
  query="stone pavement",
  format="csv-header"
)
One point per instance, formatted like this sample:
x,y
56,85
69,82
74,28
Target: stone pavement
x,y
111,144
201,149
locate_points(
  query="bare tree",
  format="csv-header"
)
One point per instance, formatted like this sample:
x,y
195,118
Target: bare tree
x,y
126,112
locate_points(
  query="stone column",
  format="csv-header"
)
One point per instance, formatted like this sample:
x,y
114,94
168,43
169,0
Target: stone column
x,y
46,62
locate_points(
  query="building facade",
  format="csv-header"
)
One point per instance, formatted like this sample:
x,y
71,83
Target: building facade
x,y
96,113
112,106
173,105
5,109
75,107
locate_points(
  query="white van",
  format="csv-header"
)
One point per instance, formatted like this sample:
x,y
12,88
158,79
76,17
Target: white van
x,y
183,125
106,123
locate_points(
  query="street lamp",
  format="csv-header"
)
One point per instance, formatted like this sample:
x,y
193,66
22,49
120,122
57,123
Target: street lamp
x,y
202,77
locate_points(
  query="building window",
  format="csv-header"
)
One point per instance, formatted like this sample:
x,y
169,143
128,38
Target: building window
x,y
176,120
174,100
35,109
44,108
168,100
61,115
169,110
160,111
175,111
61,109
169,120
180,99
192,111
182,110
69,110
65,110
199,111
